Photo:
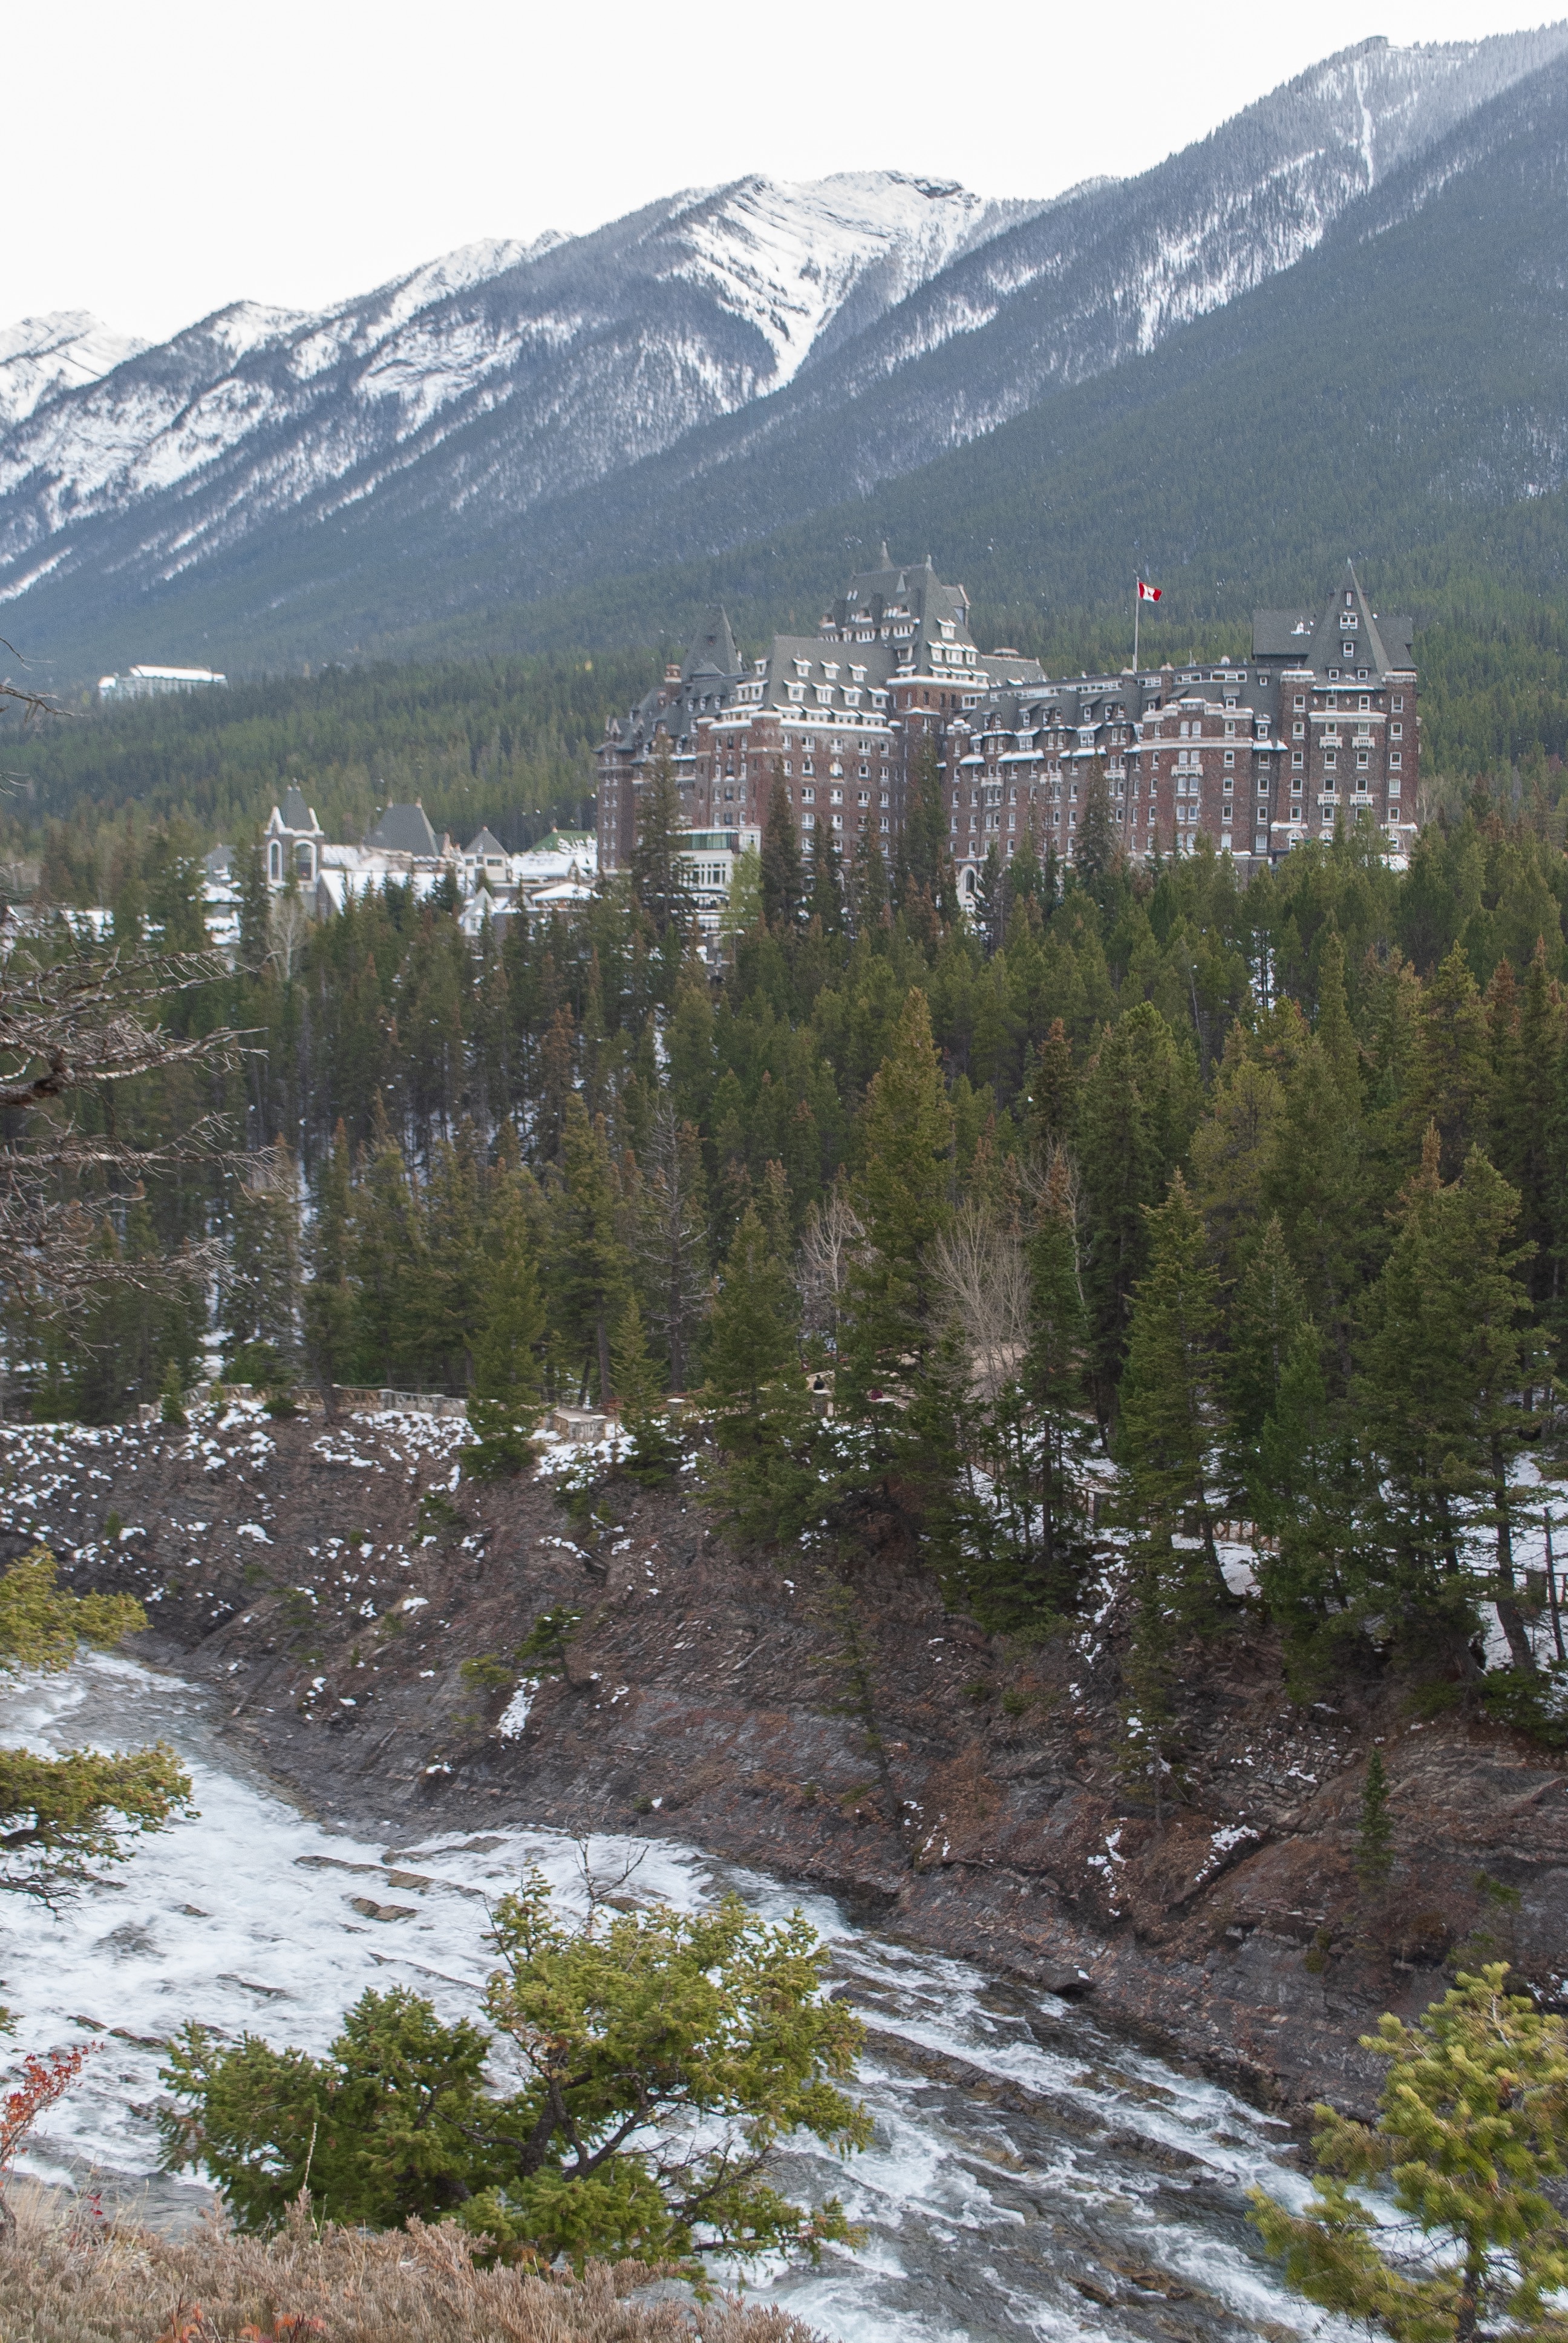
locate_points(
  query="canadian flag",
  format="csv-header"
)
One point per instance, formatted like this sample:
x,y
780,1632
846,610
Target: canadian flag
x,y
1148,593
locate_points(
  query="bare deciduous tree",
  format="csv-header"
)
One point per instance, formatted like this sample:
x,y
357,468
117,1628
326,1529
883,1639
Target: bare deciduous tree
x,y
75,1024
982,1274
288,924
833,1230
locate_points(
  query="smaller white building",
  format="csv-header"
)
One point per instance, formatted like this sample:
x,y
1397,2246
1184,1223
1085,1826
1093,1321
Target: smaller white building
x,y
708,865
153,682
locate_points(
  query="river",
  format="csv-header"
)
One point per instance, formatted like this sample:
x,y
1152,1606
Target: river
x,y
1032,2174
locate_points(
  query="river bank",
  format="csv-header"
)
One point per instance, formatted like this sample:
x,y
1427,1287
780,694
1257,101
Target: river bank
x,y
1031,2171
332,1582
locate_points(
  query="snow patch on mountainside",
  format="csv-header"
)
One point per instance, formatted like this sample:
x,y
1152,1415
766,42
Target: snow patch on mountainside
x,y
786,255
41,355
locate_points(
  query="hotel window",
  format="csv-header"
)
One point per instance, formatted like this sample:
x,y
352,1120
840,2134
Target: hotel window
x,y
786,764
808,822
1297,758
1230,756
1396,731
1395,759
808,796
1398,702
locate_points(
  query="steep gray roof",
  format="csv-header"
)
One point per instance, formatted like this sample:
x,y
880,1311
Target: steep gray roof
x,y
712,650
485,843
297,813
1316,639
403,829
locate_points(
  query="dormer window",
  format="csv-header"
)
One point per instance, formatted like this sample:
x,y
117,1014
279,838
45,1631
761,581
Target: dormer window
x,y
858,674
831,669
802,667
947,626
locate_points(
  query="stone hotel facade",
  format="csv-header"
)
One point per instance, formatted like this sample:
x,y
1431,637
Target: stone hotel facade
x,y
1259,755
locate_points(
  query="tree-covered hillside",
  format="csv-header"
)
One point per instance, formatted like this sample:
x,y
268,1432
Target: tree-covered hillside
x,y
508,742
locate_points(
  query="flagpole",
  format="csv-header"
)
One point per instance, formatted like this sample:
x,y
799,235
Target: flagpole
x,y
1137,614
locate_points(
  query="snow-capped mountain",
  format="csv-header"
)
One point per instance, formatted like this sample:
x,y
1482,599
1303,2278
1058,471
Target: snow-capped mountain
x,y
41,355
513,419
597,351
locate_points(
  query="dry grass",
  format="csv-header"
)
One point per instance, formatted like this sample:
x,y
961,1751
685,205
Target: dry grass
x,y
64,2282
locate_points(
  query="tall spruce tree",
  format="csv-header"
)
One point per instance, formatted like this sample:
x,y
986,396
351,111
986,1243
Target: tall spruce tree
x,y
658,868
1445,1353
783,884
588,1267
1172,1414
1137,1110
1032,1543
670,1239
901,1198
327,1303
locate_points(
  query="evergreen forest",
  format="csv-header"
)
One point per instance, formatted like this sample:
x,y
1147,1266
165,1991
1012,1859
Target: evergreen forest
x,y
1146,1200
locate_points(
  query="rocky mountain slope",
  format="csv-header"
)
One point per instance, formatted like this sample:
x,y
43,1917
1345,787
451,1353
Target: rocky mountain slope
x,y
508,423
329,1586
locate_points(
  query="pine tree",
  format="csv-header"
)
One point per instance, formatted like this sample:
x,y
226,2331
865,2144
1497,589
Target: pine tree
x,y
1171,1414
1267,1315
900,1197
1469,2142
657,869
1320,1185
588,1270
260,1285
510,1328
926,870
1309,1496
752,1341
827,899
387,1267
672,1240
1452,1078
249,869
1137,1110
176,903
783,885
1446,1351
327,1299
1374,1831
1053,1094
775,1473
1034,1542
1097,854
637,1379
990,900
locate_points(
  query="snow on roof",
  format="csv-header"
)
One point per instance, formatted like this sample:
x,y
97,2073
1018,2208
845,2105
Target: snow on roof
x,y
176,675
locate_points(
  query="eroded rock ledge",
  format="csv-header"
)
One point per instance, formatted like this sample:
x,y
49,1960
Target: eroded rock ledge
x,y
329,1584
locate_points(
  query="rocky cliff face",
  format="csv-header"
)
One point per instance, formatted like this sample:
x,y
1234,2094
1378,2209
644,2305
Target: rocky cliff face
x,y
330,1584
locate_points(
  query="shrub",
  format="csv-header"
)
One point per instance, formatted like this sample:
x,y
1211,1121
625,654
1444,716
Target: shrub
x,y
114,2284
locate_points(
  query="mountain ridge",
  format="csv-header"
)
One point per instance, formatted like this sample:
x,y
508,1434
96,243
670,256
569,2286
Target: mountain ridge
x,y
513,425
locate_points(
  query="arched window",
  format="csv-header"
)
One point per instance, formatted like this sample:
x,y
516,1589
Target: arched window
x,y
274,860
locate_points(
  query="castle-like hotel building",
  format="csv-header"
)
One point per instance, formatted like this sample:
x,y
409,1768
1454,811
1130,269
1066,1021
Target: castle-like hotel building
x,y
1319,724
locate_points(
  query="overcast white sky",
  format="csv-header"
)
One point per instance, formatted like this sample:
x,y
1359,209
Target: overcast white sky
x,y
166,159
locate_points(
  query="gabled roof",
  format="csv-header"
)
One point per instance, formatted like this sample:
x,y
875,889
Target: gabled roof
x,y
297,813
1317,638
403,829
712,650
485,843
